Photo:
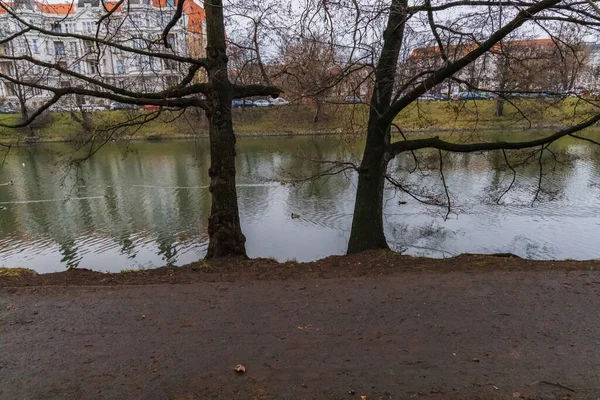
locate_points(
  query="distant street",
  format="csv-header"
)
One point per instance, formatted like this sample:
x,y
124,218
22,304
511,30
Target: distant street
x,y
458,335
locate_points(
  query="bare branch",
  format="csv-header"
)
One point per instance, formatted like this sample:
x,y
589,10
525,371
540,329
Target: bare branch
x,y
437,143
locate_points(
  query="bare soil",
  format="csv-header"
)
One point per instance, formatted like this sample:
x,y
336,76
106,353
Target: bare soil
x,y
376,325
370,263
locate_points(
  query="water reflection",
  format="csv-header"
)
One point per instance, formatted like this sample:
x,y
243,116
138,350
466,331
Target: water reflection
x,y
145,204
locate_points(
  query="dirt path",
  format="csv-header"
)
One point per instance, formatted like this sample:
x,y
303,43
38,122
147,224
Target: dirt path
x,y
459,335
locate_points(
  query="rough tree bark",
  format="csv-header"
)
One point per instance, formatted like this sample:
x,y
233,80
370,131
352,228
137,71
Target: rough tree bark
x,y
224,230
367,222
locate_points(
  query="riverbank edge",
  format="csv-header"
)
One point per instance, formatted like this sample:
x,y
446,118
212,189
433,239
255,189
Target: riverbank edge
x,y
366,264
339,132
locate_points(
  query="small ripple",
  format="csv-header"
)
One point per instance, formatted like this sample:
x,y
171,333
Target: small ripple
x,y
52,200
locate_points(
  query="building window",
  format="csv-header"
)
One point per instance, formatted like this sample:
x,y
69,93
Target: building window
x,y
171,40
74,49
170,64
138,44
171,81
120,67
88,26
59,48
56,27
93,67
90,46
36,50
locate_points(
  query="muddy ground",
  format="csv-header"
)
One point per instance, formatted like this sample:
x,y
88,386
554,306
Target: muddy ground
x,y
472,328
369,263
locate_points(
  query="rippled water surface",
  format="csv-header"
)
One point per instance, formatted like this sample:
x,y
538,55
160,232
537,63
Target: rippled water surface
x,y
145,204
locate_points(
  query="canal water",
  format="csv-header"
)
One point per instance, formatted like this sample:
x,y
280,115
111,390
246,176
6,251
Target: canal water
x,y
145,204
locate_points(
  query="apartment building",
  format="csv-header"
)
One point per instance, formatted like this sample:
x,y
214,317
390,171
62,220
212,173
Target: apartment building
x,y
534,65
137,24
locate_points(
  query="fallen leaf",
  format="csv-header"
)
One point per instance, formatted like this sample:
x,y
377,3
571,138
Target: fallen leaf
x,y
240,368
516,395
363,397
475,360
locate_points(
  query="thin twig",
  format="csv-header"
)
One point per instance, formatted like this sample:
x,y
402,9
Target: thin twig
x,y
449,205
541,164
514,178
557,384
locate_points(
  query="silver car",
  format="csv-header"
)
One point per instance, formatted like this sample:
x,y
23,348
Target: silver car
x,y
261,103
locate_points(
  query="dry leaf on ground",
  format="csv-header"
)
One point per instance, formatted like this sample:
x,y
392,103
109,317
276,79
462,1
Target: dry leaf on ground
x,y
240,368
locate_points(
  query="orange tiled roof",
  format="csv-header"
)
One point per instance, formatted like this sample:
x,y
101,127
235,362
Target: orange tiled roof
x,y
60,9
462,49
7,5
110,6
196,14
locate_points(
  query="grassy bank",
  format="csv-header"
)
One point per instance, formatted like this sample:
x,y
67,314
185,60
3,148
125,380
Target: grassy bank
x,y
300,119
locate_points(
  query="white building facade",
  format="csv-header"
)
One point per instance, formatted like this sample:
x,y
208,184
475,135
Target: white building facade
x,y
137,24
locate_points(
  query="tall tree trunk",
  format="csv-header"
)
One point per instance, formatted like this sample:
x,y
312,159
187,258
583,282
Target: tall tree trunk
x,y
499,107
25,117
367,222
224,230
317,116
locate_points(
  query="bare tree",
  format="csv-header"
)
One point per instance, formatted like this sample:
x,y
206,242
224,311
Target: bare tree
x,y
169,70
307,70
23,72
463,36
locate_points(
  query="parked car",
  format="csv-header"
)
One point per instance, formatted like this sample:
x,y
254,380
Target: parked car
x,y
262,103
554,95
242,103
92,107
428,97
115,105
471,96
352,100
151,107
7,110
280,101
61,108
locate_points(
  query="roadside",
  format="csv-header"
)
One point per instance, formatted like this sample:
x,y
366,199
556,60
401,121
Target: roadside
x,y
422,117
474,328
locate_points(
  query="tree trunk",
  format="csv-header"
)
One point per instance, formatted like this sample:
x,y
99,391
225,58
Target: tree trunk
x,y
367,222
224,230
317,116
25,117
499,107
